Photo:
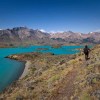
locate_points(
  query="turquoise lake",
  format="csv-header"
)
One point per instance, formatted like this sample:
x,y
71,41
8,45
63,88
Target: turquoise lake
x,y
11,70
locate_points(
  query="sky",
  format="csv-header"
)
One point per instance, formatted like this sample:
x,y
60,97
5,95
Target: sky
x,y
51,15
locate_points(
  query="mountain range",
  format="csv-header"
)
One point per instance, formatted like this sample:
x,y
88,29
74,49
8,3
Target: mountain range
x,y
72,37
24,35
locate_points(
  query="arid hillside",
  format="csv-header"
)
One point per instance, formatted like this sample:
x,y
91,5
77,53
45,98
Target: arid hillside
x,y
52,77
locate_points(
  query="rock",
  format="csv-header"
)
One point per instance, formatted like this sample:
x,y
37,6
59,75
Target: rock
x,y
30,87
9,91
62,62
38,72
19,98
80,59
31,84
93,78
96,93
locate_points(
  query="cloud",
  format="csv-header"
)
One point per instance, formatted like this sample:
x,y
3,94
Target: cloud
x,y
42,30
53,32
56,32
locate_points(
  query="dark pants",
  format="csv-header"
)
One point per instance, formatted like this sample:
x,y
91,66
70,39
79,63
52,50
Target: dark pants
x,y
86,56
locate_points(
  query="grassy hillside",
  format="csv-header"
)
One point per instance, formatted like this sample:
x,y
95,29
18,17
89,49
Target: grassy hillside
x,y
61,77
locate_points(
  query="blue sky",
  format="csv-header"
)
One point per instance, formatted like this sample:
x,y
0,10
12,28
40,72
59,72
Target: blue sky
x,y
51,15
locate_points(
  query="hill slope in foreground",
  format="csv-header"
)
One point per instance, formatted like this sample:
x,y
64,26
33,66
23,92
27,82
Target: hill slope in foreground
x,y
53,77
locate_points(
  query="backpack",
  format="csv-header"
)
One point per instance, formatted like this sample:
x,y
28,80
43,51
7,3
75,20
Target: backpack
x,y
86,50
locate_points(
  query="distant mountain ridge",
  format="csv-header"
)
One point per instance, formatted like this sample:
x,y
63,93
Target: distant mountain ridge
x,y
23,35
30,36
93,37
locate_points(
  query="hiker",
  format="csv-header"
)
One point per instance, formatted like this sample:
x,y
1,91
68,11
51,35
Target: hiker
x,y
86,52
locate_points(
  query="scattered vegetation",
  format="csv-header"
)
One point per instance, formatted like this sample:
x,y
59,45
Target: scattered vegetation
x,y
60,77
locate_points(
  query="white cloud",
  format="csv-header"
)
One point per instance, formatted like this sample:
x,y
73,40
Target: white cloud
x,y
42,30
52,32
56,32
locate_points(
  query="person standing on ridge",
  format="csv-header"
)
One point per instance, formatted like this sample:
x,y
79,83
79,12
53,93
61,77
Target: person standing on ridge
x,y
86,51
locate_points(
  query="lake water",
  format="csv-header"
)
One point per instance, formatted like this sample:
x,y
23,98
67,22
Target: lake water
x,y
11,70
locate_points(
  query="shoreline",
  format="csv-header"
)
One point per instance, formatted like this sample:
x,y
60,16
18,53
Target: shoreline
x,y
26,65
26,69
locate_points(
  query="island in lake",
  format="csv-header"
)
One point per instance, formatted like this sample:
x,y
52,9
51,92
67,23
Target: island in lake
x,y
42,49
56,77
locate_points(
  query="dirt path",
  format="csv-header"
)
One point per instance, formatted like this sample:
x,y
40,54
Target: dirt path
x,y
67,89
